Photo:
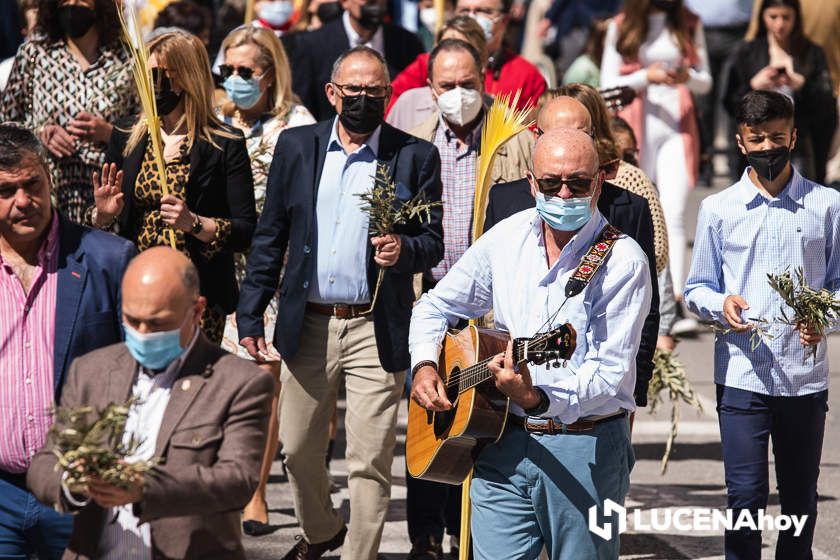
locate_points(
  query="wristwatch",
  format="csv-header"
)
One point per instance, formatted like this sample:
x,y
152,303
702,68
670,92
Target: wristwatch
x,y
542,406
197,226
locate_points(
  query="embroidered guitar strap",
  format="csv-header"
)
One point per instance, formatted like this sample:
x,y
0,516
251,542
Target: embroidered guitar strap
x,y
592,260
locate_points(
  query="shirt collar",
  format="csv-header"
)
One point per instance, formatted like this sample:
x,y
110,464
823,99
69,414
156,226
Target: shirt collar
x,y
372,142
473,137
376,42
794,189
50,244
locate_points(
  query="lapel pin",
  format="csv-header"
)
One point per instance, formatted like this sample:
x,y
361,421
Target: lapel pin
x,y
185,385
76,274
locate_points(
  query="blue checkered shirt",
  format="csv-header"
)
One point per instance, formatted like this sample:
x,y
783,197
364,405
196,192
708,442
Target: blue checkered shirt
x,y
741,237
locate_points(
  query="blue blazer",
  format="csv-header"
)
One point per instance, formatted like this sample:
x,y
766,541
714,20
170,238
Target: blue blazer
x,y
88,310
288,221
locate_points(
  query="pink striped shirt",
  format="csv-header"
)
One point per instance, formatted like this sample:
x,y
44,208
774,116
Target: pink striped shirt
x,y
27,343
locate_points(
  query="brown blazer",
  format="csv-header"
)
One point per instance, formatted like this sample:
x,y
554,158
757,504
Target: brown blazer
x,y
209,447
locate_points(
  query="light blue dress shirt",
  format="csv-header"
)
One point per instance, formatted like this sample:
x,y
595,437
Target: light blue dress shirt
x,y
341,226
741,237
722,13
507,270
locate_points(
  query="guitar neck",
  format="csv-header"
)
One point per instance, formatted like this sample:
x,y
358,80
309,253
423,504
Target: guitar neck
x,y
479,372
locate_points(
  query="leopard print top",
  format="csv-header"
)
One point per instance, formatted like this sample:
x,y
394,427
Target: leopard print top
x,y
151,230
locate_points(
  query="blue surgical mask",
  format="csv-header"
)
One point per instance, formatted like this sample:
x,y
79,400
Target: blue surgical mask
x,y
276,13
244,93
564,214
154,350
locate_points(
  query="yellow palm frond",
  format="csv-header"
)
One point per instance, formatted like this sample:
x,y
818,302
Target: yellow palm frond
x,y
440,13
249,11
503,122
142,73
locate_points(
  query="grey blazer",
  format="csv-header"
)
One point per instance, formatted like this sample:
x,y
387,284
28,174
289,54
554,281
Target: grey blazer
x,y
210,446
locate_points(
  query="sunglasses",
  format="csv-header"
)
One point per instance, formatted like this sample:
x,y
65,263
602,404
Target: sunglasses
x,y
226,70
551,186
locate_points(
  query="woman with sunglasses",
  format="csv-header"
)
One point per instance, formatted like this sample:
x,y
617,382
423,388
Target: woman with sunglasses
x,y
261,104
209,210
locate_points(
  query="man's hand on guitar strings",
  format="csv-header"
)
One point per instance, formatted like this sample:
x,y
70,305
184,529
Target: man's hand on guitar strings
x,y
515,382
428,390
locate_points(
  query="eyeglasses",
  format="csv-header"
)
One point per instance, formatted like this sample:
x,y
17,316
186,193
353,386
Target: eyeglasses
x,y
226,70
551,186
352,90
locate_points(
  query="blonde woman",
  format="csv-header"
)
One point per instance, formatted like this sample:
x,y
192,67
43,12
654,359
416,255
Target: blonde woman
x,y
261,104
210,206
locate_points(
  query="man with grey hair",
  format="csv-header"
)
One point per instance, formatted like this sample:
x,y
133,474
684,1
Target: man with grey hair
x,y
335,322
59,299
566,445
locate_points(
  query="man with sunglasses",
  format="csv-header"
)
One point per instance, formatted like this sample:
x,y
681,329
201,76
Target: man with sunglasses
x,y
566,447
627,211
333,324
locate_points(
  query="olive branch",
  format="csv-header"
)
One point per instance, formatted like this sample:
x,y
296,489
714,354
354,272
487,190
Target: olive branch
x,y
669,375
88,444
386,211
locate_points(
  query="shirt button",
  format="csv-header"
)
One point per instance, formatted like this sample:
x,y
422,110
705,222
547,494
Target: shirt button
x,y
306,284
307,249
332,279
333,252
338,221
28,380
30,417
27,344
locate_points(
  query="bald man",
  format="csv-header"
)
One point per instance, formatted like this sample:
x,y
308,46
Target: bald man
x,y
566,446
627,211
201,414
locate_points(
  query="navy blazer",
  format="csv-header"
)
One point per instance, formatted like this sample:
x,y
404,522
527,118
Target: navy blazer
x,y
88,308
314,53
288,220
628,212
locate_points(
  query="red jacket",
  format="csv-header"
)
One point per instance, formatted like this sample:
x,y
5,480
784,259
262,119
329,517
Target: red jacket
x,y
515,73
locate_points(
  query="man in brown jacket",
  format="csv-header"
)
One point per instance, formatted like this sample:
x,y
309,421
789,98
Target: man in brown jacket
x,y
201,414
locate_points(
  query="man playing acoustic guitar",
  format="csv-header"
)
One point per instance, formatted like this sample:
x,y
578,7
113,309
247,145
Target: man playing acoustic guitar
x,y
566,446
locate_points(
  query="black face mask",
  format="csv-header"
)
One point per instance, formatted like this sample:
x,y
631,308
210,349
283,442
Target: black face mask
x,y
328,11
75,21
361,114
769,163
165,99
371,15
664,5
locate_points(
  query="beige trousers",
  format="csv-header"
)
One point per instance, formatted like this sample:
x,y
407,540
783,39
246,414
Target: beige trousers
x,y
333,349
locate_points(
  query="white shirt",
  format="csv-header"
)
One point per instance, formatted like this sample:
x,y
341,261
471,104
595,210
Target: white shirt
x,y
507,270
124,539
376,42
660,45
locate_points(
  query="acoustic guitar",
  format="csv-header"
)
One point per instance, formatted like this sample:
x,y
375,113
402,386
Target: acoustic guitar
x,y
442,446
617,98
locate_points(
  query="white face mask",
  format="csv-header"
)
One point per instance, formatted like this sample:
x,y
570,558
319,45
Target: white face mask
x,y
487,24
459,105
428,17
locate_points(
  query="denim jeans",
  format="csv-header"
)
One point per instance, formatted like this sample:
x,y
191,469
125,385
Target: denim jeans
x,y
796,425
27,526
532,490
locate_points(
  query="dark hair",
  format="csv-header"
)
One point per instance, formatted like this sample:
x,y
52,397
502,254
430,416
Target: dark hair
x,y
186,15
454,45
595,42
798,41
107,23
761,106
620,125
15,142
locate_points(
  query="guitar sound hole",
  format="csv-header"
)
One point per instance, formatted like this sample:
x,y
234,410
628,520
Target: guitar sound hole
x,y
443,420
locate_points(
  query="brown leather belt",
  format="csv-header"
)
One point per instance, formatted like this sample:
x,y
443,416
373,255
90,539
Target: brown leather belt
x,y
549,426
339,310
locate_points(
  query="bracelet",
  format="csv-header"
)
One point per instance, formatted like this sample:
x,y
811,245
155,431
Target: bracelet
x,y
422,364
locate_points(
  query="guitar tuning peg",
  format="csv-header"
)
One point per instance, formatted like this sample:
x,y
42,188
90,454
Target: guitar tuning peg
x,y
555,364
